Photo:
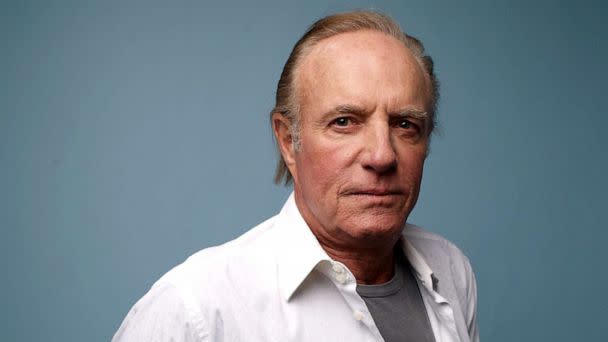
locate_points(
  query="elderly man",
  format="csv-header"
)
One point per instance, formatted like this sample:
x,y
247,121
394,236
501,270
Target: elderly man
x,y
354,112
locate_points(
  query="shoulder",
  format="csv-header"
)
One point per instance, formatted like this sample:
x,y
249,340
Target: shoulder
x,y
187,297
213,266
436,249
163,313
448,263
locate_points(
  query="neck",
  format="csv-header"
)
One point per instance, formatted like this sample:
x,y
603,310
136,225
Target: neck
x,y
370,266
371,259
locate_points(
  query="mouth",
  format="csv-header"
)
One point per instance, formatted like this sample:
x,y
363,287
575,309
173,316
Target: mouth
x,y
375,192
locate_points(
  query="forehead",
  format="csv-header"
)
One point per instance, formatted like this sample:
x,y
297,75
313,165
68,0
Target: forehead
x,y
366,68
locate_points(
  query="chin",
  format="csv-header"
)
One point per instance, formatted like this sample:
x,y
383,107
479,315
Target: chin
x,y
376,227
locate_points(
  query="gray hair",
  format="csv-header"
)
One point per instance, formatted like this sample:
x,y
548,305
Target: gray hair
x,y
286,96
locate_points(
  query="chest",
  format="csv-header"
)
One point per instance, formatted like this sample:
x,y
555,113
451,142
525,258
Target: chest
x,y
319,310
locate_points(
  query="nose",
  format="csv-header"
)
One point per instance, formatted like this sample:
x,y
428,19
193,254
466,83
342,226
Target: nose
x,y
379,156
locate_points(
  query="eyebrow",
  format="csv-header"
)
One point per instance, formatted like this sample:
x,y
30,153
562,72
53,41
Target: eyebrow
x,y
414,113
349,109
345,109
360,111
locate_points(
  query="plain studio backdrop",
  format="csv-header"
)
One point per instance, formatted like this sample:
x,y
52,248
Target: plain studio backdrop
x,y
134,134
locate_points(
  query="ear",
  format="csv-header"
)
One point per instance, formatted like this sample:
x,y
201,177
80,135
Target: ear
x,y
282,132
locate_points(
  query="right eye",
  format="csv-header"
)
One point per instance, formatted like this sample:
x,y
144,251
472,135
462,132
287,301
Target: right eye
x,y
342,121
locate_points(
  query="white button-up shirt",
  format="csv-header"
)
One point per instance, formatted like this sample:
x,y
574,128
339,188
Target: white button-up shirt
x,y
276,283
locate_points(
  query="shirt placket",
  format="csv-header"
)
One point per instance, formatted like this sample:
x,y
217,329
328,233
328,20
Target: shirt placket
x,y
444,314
347,286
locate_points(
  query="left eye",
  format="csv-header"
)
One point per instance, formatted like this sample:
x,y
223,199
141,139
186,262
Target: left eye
x,y
408,126
405,124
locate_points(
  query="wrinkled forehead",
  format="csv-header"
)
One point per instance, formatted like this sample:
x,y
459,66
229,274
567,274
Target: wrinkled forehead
x,y
352,66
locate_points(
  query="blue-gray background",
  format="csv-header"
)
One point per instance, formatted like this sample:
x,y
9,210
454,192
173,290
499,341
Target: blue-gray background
x,y
132,135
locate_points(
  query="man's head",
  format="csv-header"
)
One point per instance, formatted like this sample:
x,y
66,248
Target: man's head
x,y
355,133
287,94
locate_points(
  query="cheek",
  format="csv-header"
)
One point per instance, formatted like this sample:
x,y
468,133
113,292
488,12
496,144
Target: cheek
x,y
413,164
323,172
318,172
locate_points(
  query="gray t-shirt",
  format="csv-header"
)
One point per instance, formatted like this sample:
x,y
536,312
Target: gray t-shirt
x,y
397,306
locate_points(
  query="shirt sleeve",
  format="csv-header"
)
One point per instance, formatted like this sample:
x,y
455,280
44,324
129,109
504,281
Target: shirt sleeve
x,y
471,314
161,315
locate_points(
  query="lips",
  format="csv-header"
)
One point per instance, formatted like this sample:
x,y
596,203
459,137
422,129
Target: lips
x,y
375,192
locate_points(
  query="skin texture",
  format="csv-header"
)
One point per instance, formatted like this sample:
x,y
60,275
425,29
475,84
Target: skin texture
x,y
357,174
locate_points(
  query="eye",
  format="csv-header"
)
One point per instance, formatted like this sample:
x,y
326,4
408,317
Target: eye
x,y
405,124
342,121
408,126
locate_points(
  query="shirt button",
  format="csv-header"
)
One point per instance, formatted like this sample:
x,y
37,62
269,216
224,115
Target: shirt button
x,y
341,278
358,315
337,268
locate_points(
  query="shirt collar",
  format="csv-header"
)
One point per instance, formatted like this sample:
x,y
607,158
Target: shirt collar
x,y
300,252
423,271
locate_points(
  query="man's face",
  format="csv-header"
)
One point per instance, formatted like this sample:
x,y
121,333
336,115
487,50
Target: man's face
x,y
357,173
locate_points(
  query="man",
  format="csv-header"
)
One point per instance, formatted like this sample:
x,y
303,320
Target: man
x,y
355,109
